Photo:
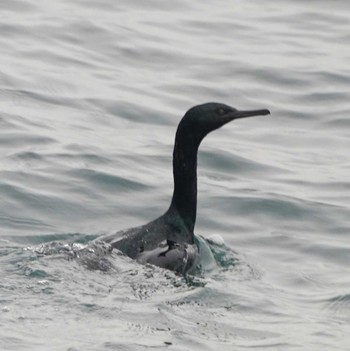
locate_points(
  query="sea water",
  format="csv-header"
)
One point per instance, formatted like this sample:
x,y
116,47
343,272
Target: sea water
x,y
91,93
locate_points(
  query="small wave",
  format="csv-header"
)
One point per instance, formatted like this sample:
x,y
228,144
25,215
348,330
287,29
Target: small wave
x,y
93,256
107,181
339,307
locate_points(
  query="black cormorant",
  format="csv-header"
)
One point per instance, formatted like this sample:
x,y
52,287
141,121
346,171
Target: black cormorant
x,y
168,241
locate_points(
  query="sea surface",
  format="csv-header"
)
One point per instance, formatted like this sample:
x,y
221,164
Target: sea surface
x,y
91,93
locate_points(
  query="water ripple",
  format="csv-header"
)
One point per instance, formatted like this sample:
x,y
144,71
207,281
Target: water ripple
x,y
91,93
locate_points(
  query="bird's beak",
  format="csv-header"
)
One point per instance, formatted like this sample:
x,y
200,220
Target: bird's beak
x,y
251,113
235,114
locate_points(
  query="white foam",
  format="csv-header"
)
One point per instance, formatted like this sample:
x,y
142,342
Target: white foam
x,y
217,239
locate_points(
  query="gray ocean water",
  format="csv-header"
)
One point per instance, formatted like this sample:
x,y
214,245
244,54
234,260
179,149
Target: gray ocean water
x,y
91,93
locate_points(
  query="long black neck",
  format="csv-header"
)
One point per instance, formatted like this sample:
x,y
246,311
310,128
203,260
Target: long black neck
x,y
184,199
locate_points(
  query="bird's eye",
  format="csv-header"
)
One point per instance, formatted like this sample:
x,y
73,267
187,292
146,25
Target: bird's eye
x,y
221,111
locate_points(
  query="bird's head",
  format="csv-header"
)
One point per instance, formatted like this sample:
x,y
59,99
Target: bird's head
x,y
202,119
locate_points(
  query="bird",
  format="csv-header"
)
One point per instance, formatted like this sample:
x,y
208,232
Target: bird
x,y
168,241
